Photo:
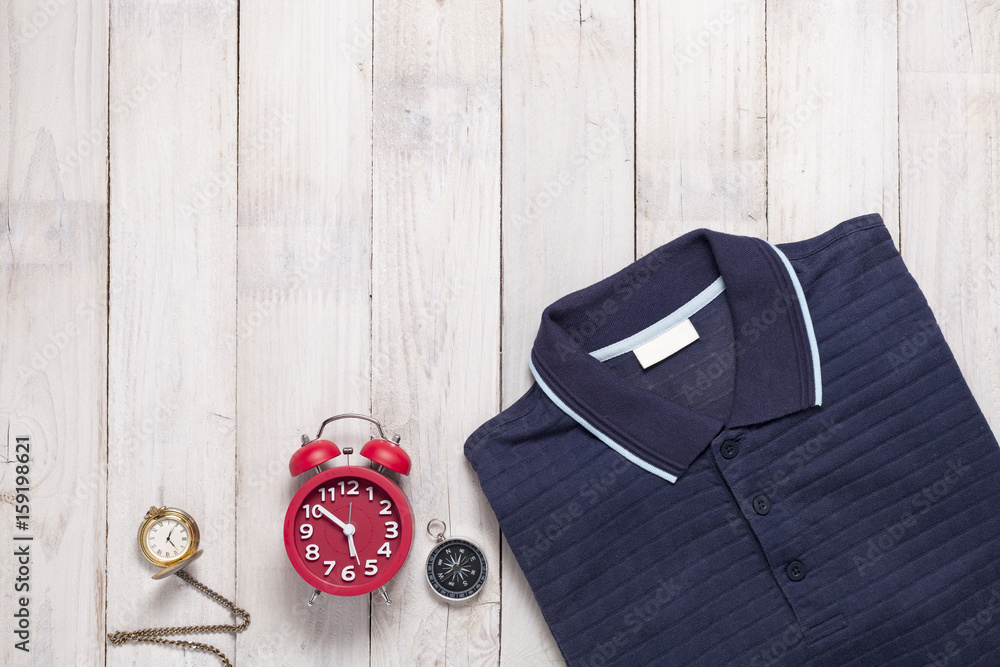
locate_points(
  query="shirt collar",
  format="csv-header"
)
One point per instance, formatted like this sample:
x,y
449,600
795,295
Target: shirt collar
x,y
777,368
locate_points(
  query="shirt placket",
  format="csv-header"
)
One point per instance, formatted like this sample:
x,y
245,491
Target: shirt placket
x,y
766,509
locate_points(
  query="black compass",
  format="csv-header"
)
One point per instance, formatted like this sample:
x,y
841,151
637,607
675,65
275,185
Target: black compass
x,y
456,568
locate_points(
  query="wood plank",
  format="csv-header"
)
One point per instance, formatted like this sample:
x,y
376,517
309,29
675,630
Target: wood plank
x,y
435,300
832,127
949,117
53,325
303,332
568,203
172,315
701,138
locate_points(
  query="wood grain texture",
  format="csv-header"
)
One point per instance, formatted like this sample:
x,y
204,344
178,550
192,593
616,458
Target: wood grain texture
x,y
831,104
224,222
568,203
172,316
53,325
303,323
435,300
701,137
949,115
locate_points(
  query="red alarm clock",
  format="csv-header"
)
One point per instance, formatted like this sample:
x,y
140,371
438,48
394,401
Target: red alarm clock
x,y
349,528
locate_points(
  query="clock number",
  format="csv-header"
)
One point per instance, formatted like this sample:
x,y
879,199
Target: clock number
x,y
391,529
385,550
322,494
371,567
371,493
306,531
386,507
312,552
348,573
352,491
329,567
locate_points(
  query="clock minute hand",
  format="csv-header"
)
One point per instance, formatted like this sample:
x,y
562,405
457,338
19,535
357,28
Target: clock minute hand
x,y
350,546
349,531
171,533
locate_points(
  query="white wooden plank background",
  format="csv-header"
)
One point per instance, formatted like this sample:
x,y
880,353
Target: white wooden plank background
x,y
172,310
568,203
225,221
54,326
303,324
436,299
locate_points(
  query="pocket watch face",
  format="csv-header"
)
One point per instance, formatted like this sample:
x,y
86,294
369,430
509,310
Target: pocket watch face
x,y
168,538
456,569
167,535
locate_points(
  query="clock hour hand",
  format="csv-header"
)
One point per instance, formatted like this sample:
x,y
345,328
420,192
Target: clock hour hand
x,y
329,515
346,527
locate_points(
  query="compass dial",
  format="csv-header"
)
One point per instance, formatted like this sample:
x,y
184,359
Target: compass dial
x,y
456,569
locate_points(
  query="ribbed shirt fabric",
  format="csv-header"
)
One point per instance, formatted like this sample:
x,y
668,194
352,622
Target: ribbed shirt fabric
x,y
811,482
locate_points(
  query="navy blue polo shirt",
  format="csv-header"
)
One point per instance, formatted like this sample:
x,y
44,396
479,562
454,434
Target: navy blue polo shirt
x,y
808,482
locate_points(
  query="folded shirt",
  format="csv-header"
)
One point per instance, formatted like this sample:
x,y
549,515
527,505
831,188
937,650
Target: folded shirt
x,y
741,453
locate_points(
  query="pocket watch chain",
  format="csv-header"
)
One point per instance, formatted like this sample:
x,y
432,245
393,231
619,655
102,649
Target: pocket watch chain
x,y
156,635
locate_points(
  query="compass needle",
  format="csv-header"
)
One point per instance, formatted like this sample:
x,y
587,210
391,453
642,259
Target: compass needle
x,y
451,572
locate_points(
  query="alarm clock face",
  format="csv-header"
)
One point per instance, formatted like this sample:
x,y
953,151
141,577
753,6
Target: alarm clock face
x,y
348,530
456,569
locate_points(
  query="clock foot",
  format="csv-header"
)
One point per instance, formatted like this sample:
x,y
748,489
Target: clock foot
x,y
385,595
316,594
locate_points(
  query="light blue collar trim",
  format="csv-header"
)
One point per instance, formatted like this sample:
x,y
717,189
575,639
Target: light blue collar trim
x,y
598,434
669,322
814,348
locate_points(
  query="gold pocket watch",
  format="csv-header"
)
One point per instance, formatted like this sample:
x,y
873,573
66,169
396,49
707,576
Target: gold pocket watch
x,y
168,538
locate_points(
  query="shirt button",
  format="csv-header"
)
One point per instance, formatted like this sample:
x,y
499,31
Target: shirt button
x,y
796,571
729,449
761,505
